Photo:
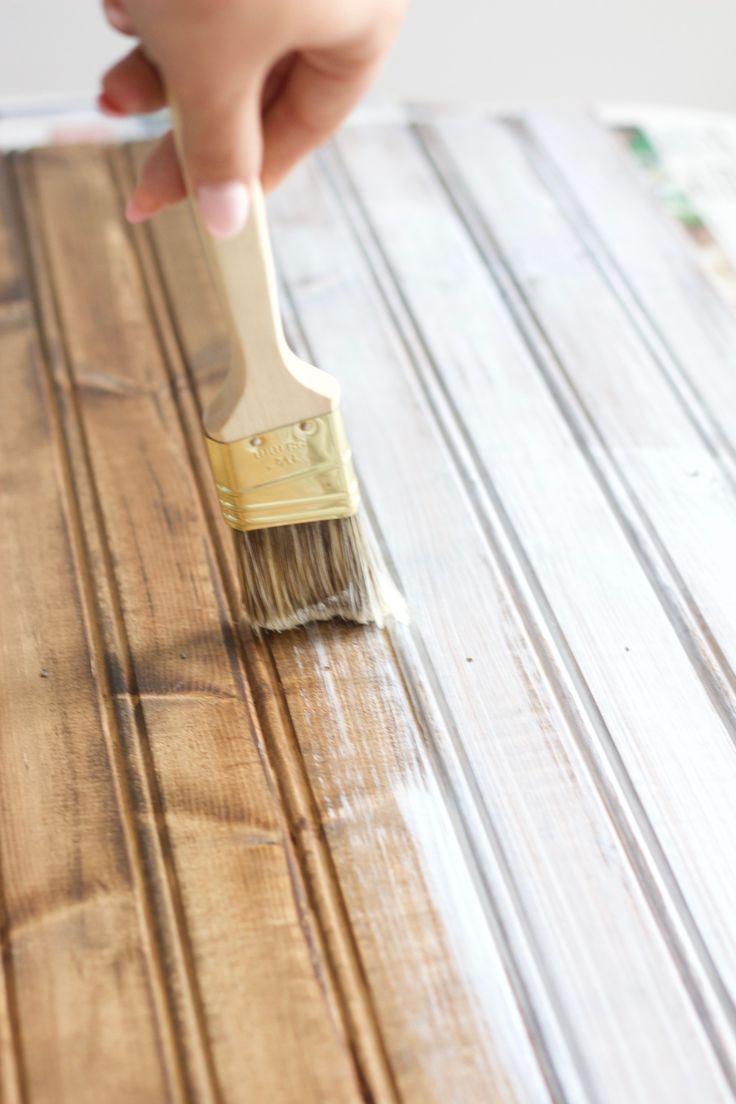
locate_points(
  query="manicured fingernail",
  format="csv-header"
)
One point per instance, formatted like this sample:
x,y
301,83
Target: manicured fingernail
x,y
136,213
108,106
224,207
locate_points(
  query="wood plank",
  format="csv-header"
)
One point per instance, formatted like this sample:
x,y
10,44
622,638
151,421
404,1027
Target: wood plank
x,y
254,1005
67,851
568,550
416,918
648,259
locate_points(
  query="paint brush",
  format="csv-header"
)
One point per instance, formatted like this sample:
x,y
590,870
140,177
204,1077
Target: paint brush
x,y
281,459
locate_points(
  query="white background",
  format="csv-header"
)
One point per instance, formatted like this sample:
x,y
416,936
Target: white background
x,y
575,52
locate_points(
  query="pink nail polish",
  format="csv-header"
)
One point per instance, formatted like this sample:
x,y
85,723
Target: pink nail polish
x,y
224,207
135,213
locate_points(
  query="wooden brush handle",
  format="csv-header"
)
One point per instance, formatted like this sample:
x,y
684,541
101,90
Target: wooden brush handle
x,y
267,386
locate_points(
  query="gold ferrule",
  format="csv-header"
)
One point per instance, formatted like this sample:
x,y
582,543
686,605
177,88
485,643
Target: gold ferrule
x,y
300,472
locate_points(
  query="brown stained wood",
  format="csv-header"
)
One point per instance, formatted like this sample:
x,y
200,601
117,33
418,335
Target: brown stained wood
x,y
79,966
240,968
350,749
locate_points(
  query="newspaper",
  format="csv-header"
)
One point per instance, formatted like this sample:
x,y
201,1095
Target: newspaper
x,y
691,158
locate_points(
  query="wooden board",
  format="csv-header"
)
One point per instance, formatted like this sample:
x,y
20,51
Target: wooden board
x,y
487,857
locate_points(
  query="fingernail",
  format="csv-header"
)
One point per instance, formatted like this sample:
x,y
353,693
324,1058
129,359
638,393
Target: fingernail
x,y
224,207
108,106
135,212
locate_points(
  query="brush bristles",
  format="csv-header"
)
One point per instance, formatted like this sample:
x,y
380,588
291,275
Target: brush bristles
x,y
316,571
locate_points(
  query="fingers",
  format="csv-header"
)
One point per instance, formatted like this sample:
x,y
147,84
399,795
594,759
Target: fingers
x,y
132,87
316,96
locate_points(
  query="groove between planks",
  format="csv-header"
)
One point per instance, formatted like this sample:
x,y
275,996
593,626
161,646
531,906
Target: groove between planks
x,y
13,1078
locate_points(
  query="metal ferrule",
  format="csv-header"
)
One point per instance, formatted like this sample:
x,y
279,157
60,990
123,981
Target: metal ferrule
x,y
300,472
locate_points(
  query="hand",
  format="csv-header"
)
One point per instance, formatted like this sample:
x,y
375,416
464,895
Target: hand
x,y
258,84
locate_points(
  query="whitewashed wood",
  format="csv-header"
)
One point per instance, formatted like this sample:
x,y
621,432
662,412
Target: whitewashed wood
x,y
667,483
643,251
446,1008
653,715
517,726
